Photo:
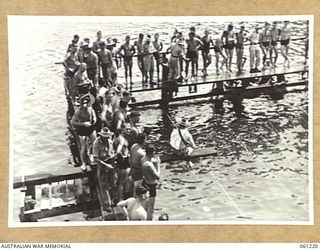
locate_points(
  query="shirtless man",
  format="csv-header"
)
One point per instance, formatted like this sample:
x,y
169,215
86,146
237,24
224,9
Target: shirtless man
x,y
254,50
177,51
193,45
91,59
119,116
128,51
79,78
240,39
74,43
151,173
71,65
228,40
285,36
274,34
96,43
219,52
135,130
138,44
136,154
148,60
106,63
206,56
193,30
84,120
158,47
265,42
121,146
134,208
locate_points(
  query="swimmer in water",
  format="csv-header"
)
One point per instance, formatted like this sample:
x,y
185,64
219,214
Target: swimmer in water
x,y
135,208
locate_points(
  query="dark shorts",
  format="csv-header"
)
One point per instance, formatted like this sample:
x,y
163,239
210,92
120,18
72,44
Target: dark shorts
x,y
136,174
265,44
84,131
123,163
152,188
230,45
192,55
284,42
239,46
156,56
127,59
217,49
274,43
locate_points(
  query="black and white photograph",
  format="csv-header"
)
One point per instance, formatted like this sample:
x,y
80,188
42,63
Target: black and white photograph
x,y
156,120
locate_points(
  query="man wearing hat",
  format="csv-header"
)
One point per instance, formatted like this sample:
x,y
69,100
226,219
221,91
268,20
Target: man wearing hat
x,y
106,63
177,50
103,154
96,43
135,208
84,120
181,140
254,50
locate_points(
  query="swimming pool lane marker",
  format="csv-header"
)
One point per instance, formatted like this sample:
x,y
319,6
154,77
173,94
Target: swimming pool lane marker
x,y
216,180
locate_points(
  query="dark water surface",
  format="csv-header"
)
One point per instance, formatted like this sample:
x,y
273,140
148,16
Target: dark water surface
x,y
260,173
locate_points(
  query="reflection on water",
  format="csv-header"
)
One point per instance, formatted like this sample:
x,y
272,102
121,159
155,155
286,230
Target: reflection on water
x,y
260,172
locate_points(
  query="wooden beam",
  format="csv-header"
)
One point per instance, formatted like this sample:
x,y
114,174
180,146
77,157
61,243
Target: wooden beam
x,y
230,77
259,88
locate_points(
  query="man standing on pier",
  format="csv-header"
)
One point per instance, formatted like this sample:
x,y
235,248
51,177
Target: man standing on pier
x,y
274,35
254,50
84,120
285,36
151,173
103,153
265,42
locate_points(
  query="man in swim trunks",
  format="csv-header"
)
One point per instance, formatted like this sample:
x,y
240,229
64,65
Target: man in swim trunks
x,y
151,173
285,36
240,39
84,120
254,50
228,41
265,43
96,43
206,56
79,78
136,154
135,130
193,45
135,208
92,61
193,30
103,154
119,116
157,45
121,146
128,51
177,51
138,44
218,51
106,63
274,34
148,60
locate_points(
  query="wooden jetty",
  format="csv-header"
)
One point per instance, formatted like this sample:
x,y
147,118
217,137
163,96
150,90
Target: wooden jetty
x,y
31,187
82,185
